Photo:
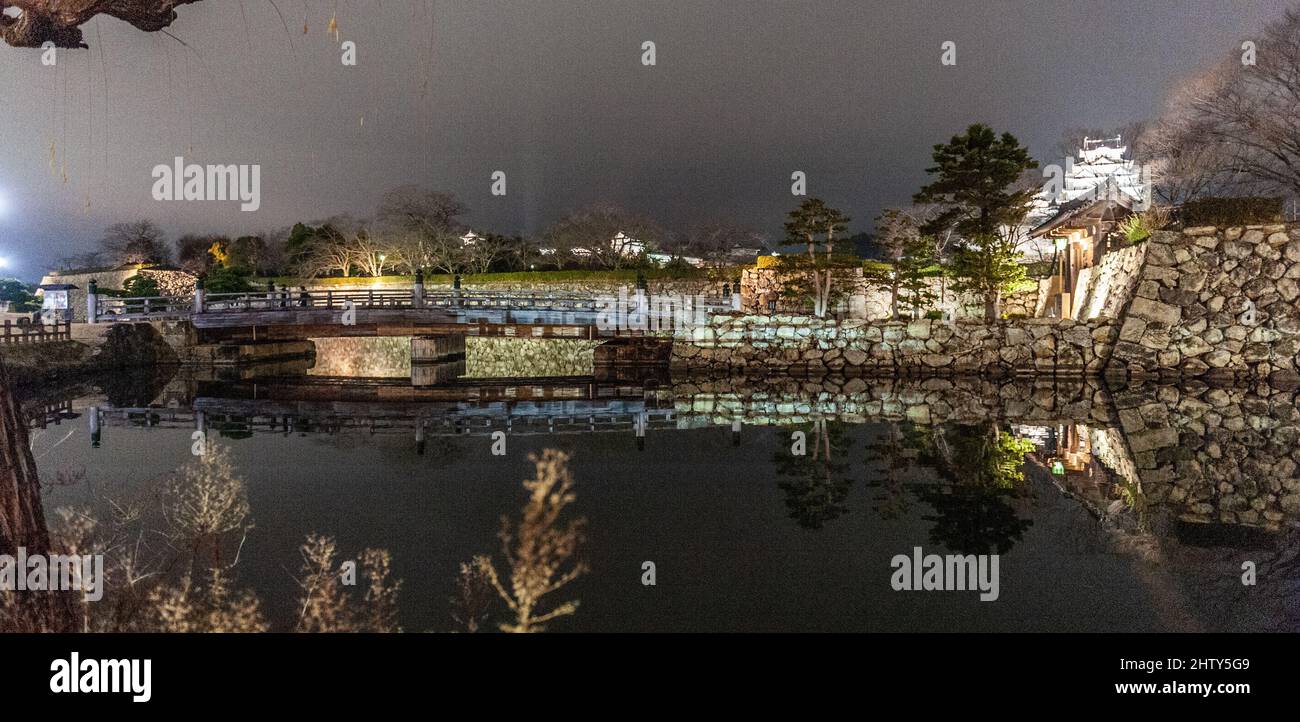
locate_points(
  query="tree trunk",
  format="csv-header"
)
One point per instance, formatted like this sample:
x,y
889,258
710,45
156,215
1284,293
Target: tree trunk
x,y
22,522
991,306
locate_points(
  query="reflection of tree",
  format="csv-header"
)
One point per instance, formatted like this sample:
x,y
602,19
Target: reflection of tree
x,y
902,448
972,520
818,485
984,466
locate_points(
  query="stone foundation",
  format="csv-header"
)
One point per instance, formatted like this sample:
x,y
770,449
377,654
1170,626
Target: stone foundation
x,y
1216,303
802,344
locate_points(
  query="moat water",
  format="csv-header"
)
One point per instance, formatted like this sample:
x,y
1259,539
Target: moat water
x,y
763,504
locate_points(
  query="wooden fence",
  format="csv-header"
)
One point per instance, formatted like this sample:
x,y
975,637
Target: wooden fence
x,y
16,333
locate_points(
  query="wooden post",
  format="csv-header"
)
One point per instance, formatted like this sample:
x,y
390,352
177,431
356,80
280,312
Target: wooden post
x,y
92,302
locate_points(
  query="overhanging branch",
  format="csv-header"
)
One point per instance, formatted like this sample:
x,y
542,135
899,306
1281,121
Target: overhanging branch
x,y
59,21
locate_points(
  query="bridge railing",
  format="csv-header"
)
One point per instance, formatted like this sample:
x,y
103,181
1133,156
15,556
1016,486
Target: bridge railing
x,y
125,309
120,308
268,301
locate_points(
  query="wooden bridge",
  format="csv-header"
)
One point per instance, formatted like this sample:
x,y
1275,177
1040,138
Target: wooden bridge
x,y
295,315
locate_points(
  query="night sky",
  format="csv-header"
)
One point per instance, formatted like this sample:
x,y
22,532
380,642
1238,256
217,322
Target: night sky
x,y
555,95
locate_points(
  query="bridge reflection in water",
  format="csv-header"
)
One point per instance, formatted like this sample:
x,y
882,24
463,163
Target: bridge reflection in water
x,y
1208,455
452,407
1182,480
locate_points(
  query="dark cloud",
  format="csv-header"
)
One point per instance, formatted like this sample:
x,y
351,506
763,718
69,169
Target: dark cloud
x,y
554,94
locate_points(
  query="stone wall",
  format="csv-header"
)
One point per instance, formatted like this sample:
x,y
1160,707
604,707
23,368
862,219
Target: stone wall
x,y
962,400
802,344
873,303
1216,455
1216,303
488,357
1112,283
173,284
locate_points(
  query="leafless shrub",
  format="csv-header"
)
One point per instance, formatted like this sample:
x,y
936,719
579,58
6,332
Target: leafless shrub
x,y
540,552
326,607
204,500
473,600
212,607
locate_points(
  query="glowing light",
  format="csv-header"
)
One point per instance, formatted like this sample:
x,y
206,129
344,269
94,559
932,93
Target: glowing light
x,y
4,262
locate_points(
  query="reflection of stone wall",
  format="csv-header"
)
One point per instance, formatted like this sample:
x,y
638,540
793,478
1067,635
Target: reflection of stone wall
x,y
873,303
1205,455
801,343
1189,316
1217,455
520,357
782,400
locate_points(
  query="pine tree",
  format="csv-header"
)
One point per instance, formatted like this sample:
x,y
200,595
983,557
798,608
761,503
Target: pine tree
x,y
975,176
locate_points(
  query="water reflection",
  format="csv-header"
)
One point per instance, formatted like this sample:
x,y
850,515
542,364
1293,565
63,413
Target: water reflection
x,y
1147,499
817,473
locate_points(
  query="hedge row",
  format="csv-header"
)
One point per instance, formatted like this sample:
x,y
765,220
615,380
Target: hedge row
x,y
1227,212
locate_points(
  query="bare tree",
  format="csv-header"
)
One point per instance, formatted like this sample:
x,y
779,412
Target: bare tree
x,y
331,252
1184,157
369,253
193,252
714,241
412,208
485,251
91,259
135,242
1246,114
590,233
896,230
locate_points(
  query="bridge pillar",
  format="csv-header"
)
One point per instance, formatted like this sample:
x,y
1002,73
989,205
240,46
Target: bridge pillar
x,y
433,349
417,291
